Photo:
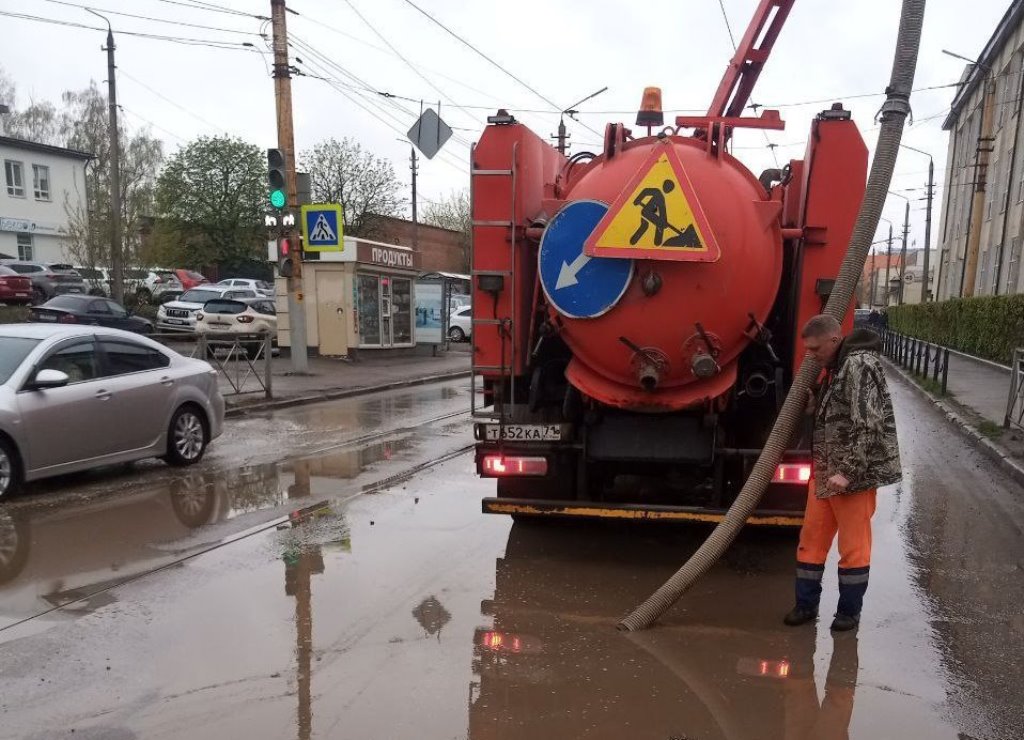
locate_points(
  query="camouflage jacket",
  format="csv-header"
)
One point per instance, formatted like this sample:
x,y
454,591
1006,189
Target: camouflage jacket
x,y
854,424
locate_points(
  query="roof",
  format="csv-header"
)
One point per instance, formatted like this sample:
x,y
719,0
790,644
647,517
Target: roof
x,y
977,72
34,146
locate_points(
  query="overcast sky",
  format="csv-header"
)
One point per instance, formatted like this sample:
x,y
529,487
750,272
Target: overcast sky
x,y
563,49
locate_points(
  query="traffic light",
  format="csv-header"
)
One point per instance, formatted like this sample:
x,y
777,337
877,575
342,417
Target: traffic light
x,y
284,257
276,178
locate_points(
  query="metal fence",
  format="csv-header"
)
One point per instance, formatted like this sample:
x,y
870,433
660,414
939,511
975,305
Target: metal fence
x,y
243,360
1015,401
924,359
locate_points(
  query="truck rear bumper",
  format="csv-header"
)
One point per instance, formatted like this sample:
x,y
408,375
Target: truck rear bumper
x,y
596,510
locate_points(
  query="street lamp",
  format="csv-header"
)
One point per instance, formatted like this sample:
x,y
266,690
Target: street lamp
x,y
903,247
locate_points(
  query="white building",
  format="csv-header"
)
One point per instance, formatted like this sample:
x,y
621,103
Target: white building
x,y
986,122
41,184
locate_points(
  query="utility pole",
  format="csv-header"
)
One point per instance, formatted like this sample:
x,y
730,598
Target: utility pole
x,y
116,261
286,143
874,281
978,204
927,221
415,221
903,253
888,263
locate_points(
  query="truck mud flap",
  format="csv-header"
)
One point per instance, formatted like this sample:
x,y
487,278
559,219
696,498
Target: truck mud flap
x,y
599,510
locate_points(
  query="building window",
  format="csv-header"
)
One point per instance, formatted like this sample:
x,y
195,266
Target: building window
x,y
41,181
26,250
14,172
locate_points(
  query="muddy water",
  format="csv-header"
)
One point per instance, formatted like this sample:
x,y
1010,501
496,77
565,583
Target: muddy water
x,y
404,613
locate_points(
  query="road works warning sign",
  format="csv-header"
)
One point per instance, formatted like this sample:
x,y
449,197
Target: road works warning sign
x,y
657,216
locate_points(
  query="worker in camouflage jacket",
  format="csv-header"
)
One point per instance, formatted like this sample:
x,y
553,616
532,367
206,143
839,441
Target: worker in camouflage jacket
x,y
855,452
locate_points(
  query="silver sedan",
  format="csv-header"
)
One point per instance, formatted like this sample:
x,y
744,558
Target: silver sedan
x,y
73,398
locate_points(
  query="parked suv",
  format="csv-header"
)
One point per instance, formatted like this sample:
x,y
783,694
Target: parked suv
x,y
48,278
180,314
260,286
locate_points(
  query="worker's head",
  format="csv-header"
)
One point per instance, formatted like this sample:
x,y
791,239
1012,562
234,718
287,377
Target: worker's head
x,y
822,336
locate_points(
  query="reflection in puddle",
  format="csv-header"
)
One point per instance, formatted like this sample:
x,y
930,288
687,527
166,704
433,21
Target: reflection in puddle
x,y
551,664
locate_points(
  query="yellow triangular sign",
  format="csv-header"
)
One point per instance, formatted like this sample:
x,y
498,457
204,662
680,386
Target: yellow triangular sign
x,y
656,216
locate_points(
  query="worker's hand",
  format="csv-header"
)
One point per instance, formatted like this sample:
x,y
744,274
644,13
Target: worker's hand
x,y
838,483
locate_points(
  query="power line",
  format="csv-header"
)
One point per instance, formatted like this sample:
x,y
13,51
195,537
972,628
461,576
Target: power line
x,y
728,26
151,18
154,125
212,43
195,5
409,64
180,107
452,33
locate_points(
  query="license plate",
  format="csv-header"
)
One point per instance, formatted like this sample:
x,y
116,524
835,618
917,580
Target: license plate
x,y
523,432
21,295
47,317
174,321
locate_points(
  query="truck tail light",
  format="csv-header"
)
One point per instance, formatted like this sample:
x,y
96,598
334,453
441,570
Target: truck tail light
x,y
499,466
792,473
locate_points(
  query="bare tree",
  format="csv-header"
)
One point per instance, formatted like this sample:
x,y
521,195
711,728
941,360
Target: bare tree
x,y
365,185
452,212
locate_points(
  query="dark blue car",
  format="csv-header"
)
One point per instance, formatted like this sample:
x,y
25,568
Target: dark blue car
x,y
88,309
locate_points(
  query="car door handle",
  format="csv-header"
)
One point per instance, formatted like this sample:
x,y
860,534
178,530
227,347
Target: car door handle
x,y
103,395
166,380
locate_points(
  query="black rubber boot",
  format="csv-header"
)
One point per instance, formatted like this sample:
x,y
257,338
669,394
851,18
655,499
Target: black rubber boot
x,y
800,615
844,622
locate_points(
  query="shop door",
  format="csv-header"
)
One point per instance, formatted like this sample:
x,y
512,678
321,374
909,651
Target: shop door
x,y
330,288
401,311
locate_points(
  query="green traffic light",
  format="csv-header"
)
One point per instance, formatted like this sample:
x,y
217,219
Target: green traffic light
x,y
277,198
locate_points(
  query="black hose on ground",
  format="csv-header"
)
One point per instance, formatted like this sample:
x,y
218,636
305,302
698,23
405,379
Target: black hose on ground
x,y
892,116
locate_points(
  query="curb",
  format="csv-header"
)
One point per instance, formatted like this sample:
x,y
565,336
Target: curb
x,y
978,440
339,393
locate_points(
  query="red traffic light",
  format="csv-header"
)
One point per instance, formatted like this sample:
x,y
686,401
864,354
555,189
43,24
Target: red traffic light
x,y
284,248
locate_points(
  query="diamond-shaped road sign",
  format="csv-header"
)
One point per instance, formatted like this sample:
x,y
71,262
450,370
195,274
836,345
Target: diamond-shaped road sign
x,y
429,133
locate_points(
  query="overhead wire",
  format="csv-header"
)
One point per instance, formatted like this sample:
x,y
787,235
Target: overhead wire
x,y
491,61
168,21
166,99
211,7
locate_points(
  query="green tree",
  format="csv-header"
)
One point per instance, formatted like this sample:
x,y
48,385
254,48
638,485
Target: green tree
x,y
210,203
83,123
452,212
365,185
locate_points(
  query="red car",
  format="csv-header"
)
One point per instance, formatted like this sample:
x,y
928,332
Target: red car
x,y
14,288
189,278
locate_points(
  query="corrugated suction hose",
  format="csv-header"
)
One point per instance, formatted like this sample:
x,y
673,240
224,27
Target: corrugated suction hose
x,y
892,115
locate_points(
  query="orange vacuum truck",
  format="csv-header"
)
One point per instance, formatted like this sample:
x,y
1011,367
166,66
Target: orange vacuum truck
x,y
637,311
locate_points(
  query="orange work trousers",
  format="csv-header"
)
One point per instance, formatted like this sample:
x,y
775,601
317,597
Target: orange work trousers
x,y
849,514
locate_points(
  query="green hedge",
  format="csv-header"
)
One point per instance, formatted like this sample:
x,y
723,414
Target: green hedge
x,y
13,314
987,326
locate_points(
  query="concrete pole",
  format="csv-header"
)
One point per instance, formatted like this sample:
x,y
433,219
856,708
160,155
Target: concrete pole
x,y
978,203
286,143
903,254
888,263
928,231
415,220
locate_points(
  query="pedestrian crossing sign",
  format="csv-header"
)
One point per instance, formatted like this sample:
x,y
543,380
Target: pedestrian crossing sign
x,y
656,216
322,228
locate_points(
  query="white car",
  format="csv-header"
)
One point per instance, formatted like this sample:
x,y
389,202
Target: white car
x,y
78,397
260,286
460,324
145,284
180,314
228,317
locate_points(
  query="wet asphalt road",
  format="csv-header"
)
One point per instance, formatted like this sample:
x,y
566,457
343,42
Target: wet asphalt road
x,y
405,613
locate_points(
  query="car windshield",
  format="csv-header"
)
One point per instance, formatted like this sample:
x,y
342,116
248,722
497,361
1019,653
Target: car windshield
x,y
224,306
13,350
5,270
61,267
69,302
199,296
263,285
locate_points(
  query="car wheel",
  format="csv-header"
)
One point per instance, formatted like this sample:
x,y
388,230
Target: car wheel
x,y
186,437
456,334
14,545
10,472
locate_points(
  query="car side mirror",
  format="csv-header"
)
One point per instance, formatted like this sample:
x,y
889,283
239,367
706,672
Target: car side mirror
x,y
50,379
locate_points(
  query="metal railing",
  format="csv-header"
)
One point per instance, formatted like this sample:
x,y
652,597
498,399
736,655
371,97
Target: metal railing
x,y
1015,401
924,359
245,361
